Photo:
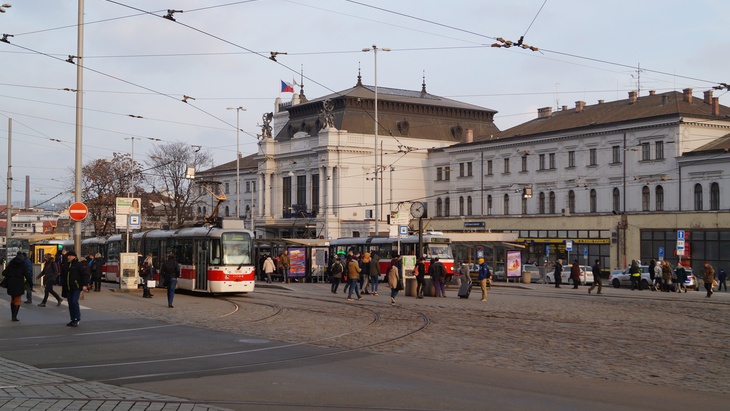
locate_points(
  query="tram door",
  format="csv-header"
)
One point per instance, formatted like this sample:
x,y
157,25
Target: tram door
x,y
201,264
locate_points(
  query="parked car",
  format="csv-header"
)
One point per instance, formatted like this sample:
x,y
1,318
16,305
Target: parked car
x,y
586,275
534,272
620,278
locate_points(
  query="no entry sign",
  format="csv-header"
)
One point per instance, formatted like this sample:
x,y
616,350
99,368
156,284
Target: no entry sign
x,y
78,211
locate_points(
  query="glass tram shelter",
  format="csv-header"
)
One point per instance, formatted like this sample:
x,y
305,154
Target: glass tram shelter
x,y
308,257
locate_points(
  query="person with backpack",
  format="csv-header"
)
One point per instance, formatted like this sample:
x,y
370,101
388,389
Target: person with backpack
x,y
170,272
485,274
336,270
49,274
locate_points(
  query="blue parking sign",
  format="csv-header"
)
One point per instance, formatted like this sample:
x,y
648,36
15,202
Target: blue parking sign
x,y
661,253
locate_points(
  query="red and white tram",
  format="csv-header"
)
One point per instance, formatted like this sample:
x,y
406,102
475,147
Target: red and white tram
x,y
433,245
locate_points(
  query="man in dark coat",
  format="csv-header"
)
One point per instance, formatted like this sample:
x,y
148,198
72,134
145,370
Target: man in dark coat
x,y
558,272
73,283
16,278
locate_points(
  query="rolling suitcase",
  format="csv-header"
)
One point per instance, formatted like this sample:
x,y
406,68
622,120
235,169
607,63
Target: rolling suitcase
x,y
465,290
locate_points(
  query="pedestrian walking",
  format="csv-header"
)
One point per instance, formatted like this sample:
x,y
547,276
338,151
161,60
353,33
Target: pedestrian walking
x,y
420,273
438,276
597,281
393,279
336,270
709,278
364,273
97,270
721,279
269,267
558,273
656,275
146,273
485,275
49,275
681,278
374,272
667,274
170,272
29,274
15,278
73,284
285,264
353,277
575,273
635,273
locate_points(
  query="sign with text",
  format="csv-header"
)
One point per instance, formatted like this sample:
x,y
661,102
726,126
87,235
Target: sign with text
x,y
128,206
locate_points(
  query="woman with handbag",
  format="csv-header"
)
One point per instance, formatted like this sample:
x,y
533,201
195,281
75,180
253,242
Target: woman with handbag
x,y
15,277
393,279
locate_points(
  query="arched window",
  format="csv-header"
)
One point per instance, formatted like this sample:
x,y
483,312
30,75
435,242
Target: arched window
x,y
489,204
469,209
228,212
541,203
439,207
594,201
645,198
447,207
714,196
461,205
552,202
616,200
506,204
571,201
698,197
659,194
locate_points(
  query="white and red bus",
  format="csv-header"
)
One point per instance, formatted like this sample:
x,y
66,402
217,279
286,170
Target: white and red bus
x,y
434,245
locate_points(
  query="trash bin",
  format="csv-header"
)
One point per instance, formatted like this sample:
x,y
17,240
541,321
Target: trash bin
x,y
411,287
526,277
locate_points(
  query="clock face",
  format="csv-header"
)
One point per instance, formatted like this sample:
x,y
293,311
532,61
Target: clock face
x,y
417,210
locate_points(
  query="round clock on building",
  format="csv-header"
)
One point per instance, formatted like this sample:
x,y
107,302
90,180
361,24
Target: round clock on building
x,y
418,210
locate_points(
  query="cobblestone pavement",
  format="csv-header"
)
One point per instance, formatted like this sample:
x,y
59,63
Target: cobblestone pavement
x,y
629,336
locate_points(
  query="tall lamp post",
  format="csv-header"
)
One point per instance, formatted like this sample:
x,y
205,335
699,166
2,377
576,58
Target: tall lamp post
x,y
9,207
375,49
238,160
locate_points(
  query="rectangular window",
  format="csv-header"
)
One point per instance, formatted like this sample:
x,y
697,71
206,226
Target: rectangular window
x,y
286,194
447,173
315,193
439,173
461,169
645,151
489,167
542,162
469,169
593,156
302,190
253,186
248,186
616,157
227,188
524,163
552,161
506,165
659,148
571,158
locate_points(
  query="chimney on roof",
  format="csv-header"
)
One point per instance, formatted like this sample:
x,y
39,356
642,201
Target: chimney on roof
x,y
564,108
652,92
708,97
632,97
468,137
715,106
601,101
687,95
544,112
579,105
27,192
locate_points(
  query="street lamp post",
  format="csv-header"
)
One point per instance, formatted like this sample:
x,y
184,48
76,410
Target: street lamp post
x,y
9,207
238,160
375,49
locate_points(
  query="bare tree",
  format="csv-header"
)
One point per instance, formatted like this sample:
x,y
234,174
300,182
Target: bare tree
x,y
103,181
168,165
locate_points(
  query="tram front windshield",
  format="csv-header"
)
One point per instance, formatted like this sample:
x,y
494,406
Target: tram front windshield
x,y
443,252
237,248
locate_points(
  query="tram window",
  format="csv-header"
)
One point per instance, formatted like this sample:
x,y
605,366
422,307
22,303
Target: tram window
x,y
236,248
215,252
184,252
440,251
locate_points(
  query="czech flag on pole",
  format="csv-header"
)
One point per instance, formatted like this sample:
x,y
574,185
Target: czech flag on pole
x,y
286,87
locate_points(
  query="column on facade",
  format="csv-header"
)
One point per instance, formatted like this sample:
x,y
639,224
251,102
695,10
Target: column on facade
x,y
323,208
330,181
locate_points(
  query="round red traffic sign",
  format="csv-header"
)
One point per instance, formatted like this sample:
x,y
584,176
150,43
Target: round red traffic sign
x,y
78,211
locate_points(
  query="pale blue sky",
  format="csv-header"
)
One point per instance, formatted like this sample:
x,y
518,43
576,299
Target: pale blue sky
x,y
142,65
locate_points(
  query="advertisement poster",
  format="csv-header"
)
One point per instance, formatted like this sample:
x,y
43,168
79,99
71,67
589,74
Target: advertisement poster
x,y
514,264
128,205
298,262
